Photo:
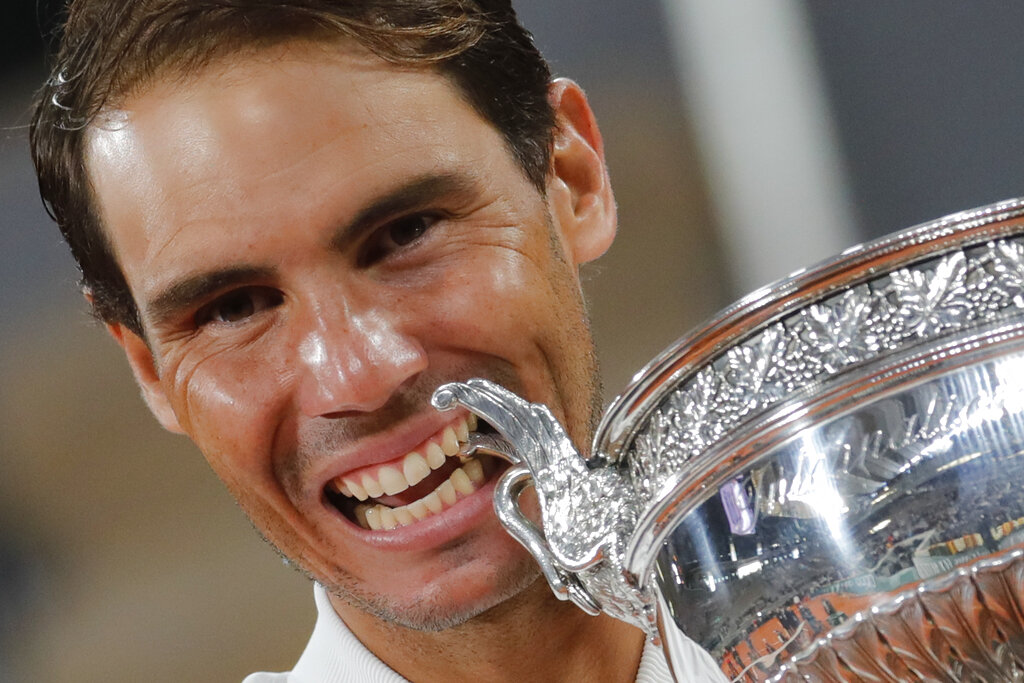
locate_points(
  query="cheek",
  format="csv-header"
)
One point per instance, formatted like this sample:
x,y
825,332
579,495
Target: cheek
x,y
226,407
489,303
237,416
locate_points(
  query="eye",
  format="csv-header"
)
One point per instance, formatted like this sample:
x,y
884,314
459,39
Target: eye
x,y
238,305
409,229
395,234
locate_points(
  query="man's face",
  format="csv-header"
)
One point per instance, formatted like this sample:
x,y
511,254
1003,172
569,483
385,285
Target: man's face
x,y
316,240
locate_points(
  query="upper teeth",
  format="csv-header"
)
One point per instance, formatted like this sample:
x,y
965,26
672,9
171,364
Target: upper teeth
x,y
411,470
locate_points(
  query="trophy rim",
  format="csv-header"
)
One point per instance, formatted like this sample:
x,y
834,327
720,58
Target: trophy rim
x,y
630,410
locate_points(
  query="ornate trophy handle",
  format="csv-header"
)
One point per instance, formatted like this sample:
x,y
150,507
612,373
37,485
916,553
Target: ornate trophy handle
x,y
506,504
528,429
586,515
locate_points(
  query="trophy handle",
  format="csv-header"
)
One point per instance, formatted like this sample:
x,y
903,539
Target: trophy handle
x,y
533,441
506,506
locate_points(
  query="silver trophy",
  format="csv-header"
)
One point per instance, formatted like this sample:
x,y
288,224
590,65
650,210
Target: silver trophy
x,y
825,483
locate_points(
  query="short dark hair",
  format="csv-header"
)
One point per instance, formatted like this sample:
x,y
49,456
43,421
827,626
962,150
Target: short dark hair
x,y
111,48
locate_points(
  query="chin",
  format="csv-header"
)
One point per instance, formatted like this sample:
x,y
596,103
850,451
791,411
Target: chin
x,y
440,606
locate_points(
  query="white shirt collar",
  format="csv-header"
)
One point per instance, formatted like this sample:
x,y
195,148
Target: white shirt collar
x,y
335,655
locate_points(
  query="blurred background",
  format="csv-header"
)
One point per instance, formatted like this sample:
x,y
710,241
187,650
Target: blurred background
x,y
745,139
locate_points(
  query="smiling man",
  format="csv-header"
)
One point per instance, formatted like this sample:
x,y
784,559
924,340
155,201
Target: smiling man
x,y
298,218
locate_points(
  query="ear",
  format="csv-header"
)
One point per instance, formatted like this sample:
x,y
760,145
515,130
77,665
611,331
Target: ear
x,y
578,186
140,358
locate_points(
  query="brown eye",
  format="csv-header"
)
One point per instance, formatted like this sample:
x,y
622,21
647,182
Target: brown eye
x,y
238,306
406,230
396,234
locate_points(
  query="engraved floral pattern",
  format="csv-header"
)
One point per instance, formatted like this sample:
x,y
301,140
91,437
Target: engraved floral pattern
x,y
841,331
753,370
696,405
923,301
1008,267
932,300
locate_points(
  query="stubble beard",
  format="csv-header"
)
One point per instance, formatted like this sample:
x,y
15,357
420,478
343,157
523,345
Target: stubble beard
x,y
433,612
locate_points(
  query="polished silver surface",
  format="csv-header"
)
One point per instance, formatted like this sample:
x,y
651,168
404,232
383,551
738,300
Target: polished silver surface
x,y
916,473
824,483
966,625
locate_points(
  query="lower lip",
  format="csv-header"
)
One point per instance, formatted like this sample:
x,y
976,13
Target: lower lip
x,y
447,525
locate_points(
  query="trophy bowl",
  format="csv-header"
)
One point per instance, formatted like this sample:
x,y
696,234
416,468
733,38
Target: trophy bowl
x,y
824,483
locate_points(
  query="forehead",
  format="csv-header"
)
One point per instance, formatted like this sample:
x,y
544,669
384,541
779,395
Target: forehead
x,y
303,94
299,130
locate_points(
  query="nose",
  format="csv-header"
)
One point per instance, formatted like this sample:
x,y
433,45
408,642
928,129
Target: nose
x,y
353,361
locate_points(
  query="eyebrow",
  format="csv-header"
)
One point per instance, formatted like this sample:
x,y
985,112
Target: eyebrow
x,y
412,195
415,194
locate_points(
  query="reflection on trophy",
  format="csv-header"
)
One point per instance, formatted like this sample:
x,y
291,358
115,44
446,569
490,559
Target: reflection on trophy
x,y
825,483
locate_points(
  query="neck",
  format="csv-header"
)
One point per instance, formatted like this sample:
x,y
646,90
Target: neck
x,y
533,636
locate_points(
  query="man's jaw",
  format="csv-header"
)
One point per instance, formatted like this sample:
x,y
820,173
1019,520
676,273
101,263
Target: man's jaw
x,y
419,485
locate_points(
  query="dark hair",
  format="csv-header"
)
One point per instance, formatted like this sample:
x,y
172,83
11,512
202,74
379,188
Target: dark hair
x,y
111,48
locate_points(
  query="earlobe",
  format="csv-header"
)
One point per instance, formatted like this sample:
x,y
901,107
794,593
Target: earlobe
x,y
579,187
140,358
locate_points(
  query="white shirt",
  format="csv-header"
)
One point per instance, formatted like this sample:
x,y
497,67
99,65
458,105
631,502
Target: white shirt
x,y
334,655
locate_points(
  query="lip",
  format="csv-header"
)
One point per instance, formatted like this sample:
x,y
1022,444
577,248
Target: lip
x,y
462,517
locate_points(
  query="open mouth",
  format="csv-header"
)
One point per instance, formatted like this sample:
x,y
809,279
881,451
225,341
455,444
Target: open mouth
x,y
423,483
